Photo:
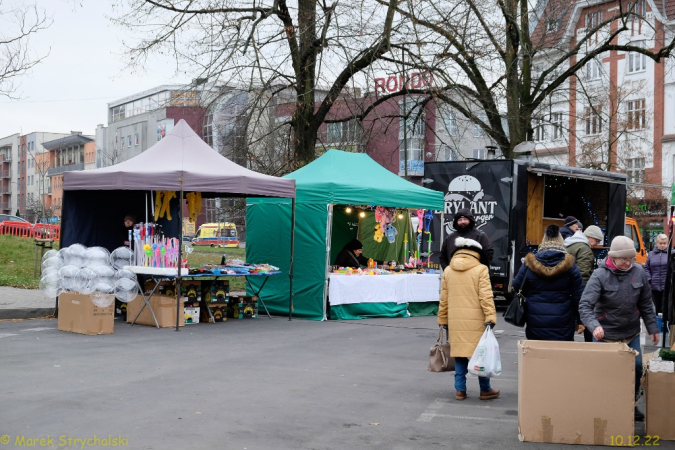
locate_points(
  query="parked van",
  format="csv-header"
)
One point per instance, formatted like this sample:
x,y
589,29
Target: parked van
x,y
632,231
222,234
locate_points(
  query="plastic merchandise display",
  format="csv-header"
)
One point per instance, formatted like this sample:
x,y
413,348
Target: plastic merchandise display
x,y
49,270
68,276
124,273
102,295
55,261
48,254
126,290
96,256
120,257
50,285
75,255
86,279
105,274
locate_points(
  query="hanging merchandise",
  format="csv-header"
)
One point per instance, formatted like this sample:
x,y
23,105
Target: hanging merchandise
x,y
194,200
391,233
428,218
384,216
162,204
420,220
377,237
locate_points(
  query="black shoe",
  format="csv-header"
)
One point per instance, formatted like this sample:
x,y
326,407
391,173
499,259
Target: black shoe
x,y
639,417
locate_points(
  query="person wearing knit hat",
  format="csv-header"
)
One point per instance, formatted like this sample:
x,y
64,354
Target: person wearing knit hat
x,y
464,226
466,307
616,297
351,255
656,269
594,235
552,285
570,227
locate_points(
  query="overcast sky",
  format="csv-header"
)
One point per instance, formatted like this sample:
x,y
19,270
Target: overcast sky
x,y
84,71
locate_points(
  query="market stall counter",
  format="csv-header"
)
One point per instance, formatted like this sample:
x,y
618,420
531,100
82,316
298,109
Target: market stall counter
x,y
362,295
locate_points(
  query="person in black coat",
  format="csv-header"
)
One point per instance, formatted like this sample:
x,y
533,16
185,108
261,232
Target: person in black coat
x,y
464,225
655,268
572,225
552,286
351,255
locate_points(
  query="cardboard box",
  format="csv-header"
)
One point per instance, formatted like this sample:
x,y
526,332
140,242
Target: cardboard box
x,y
192,290
78,314
575,392
191,315
218,310
660,398
165,287
163,306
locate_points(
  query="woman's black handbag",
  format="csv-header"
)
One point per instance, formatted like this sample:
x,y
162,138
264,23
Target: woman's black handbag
x,y
515,313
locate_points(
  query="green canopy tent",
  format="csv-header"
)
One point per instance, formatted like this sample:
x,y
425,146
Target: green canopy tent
x,y
336,178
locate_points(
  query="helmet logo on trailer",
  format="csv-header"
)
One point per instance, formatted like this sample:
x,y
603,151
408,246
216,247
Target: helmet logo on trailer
x,y
466,191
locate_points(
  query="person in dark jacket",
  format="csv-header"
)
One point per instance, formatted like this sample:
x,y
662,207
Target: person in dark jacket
x,y
614,300
655,268
552,285
464,225
572,225
351,255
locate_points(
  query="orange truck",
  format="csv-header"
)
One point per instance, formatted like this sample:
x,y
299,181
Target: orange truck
x,y
632,231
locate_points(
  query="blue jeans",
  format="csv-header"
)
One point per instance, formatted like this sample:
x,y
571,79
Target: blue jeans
x,y
461,369
635,345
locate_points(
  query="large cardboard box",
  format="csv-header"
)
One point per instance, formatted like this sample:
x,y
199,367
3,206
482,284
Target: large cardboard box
x,y
575,392
163,306
660,397
78,314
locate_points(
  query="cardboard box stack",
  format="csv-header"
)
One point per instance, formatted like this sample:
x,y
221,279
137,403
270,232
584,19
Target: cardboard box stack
x,y
164,307
660,398
243,306
575,392
78,314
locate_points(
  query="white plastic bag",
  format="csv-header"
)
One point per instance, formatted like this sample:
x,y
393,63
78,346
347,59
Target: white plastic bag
x,y
485,361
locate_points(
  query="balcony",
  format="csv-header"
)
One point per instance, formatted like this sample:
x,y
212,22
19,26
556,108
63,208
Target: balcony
x,y
4,190
5,173
4,206
5,158
61,169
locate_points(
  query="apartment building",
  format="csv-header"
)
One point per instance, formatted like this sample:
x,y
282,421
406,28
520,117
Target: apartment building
x,y
9,189
618,114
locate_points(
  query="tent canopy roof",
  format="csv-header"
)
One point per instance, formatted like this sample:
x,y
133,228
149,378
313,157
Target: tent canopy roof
x,y
182,154
340,177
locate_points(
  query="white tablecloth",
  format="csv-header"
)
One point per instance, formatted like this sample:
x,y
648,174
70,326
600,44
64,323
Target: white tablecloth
x,y
407,288
158,271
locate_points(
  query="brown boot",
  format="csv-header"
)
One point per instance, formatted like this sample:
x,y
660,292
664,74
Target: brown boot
x,y
459,395
489,395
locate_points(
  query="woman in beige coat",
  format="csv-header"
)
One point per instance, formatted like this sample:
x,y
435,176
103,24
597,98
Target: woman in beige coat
x,y
466,307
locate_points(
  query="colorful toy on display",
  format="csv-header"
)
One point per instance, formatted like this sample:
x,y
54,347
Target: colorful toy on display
x,y
194,201
391,233
163,204
428,218
235,267
89,271
151,249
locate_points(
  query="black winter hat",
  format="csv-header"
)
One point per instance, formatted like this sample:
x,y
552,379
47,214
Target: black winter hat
x,y
354,244
570,220
464,212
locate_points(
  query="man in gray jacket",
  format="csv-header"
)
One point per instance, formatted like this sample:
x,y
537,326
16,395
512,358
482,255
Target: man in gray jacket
x,y
616,297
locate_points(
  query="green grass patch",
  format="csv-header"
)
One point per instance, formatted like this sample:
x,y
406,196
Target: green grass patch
x,y
213,255
17,262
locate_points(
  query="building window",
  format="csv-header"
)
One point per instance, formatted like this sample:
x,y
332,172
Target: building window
x,y
635,170
119,113
593,120
593,68
635,114
343,132
593,19
207,129
637,62
557,125
539,128
637,12
477,130
129,141
552,25
137,139
479,153
412,131
450,123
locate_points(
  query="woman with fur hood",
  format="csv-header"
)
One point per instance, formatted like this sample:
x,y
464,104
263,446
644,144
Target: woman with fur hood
x,y
466,307
552,285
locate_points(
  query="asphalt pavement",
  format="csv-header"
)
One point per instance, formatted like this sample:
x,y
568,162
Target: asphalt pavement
x,y
250,384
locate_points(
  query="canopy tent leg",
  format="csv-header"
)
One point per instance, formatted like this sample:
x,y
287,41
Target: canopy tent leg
x,y
180,256
290,270
329,238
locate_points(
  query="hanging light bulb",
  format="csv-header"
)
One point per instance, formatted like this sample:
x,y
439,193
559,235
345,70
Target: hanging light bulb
x,y
400,215
348,209
362,214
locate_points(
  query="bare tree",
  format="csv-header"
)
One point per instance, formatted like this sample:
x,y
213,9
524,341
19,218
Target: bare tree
x,y
486,56
17,25
273,47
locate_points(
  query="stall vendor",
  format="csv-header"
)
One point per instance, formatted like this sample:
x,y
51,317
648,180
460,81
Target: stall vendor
x,y
129,222
351,255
